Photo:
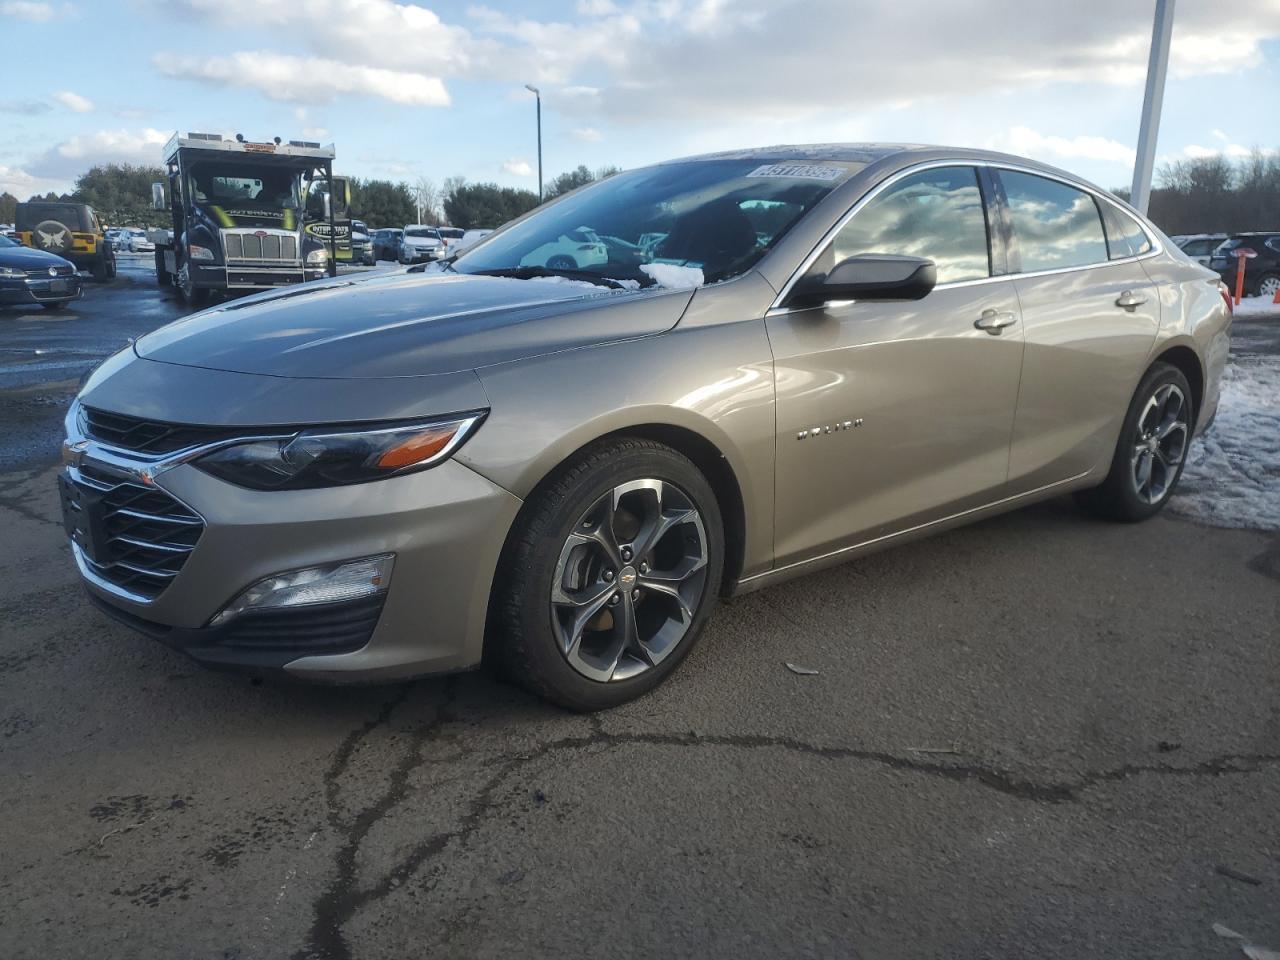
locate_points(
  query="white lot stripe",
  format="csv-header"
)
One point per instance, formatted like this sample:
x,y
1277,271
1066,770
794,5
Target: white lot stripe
x,y
288,879
1232,478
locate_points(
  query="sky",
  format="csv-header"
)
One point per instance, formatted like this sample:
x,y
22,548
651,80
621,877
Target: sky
x,y
432,89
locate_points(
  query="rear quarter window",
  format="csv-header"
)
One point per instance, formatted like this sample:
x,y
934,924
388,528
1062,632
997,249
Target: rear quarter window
x,y
1054,225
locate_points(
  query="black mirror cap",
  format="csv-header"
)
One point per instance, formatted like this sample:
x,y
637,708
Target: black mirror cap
x,y
871,276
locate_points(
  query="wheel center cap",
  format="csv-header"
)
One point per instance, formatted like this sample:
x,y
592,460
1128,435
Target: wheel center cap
x,y
627,576
1153,444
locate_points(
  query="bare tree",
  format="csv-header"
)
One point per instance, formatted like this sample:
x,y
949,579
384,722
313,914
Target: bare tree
x,y
426,197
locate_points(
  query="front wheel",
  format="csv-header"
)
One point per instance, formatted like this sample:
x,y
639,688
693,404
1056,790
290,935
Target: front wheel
x,y
193,296
1151,452
609,576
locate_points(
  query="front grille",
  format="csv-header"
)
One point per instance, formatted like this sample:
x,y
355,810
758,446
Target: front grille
x,y
144,536
42,273
149,436
248,245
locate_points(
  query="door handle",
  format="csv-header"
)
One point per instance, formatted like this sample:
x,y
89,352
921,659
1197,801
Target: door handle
x,y
994,321
1130,300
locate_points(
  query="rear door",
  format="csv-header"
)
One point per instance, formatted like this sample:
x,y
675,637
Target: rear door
x,y
1090,315
894,414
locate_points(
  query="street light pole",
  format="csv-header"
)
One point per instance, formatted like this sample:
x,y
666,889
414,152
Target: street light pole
x,y
1157,67
537,94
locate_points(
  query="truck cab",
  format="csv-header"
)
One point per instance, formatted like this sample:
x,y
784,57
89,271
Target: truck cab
x,y
240,215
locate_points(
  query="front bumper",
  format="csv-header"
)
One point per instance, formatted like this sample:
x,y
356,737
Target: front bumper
x,y
421,254
32,290
253,276
446,527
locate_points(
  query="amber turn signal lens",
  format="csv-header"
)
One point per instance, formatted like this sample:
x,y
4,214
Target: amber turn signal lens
x,y
419,447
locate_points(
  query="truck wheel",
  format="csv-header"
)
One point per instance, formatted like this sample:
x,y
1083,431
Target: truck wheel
x,y
193,296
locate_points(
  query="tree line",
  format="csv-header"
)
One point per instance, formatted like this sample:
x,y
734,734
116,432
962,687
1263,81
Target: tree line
x,y
1215,194
121,194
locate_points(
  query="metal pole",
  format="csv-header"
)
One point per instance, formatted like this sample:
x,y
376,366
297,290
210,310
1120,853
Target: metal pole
x,y
333,233
1157,67
538,98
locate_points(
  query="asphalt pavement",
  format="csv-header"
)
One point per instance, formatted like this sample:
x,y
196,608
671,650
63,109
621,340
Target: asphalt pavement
x,y
1039,736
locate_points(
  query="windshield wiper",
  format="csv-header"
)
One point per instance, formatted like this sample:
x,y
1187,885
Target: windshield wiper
x,y
530,272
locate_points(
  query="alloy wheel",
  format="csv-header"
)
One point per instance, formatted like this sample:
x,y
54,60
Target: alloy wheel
x,y
629,580
1160,444
1269,286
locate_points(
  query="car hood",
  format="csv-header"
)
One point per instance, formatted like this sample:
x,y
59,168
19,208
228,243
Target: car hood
x,y
408,324
29,259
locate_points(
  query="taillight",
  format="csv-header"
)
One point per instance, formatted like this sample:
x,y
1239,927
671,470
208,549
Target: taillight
x,y
1226,298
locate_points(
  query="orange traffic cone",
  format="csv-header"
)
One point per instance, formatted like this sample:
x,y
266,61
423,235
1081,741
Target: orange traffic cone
x,y
1276,298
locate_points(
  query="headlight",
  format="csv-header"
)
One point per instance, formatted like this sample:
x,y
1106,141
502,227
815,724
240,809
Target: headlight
x,y
11,272
196,251
319,255
328,458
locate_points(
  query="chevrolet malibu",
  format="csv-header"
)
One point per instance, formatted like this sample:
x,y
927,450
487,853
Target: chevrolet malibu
x,y
560,469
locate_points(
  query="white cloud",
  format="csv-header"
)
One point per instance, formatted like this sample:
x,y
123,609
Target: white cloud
x,y
518,168
1234,151
315,133
72,157
29,10
586,134
305,79
73,101
1031,143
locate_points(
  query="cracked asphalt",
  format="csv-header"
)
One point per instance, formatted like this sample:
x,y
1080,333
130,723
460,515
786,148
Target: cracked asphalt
x,y
1038,736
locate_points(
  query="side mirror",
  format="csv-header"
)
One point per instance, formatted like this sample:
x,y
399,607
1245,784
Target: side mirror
x,y
871,276
157,197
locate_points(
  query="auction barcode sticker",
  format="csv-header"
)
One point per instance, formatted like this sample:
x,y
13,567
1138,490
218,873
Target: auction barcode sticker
x,y
805,171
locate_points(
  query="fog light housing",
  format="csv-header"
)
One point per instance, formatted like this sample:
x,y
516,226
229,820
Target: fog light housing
x,y
328,583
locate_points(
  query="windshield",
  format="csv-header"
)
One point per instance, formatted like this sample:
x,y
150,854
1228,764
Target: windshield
x,y
423,232
255,190
698,221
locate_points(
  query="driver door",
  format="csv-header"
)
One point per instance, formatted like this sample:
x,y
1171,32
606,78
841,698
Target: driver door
x,y
891,415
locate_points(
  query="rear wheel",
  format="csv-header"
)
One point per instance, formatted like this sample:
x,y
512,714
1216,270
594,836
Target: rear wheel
x,y
100,271
1267,286
609,576
1151,452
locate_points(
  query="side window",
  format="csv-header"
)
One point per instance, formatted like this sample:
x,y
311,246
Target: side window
x,y
1126,238
1054,225
936,214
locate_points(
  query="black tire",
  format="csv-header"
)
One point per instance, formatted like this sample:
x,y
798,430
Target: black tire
x,y
1262,280
164,279
1118,496
111,267
59,305
562,261
193,296
523,643
100,271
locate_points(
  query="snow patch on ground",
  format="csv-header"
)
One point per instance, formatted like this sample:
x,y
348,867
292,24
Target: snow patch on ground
x,y
1254,307
1232,477
674,276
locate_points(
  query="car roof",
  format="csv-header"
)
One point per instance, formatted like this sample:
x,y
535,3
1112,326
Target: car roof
x,y
895,154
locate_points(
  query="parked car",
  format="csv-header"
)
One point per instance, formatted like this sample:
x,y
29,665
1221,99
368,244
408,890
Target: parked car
x,y
420,243
68,230
361,243
386,244
113,236
139,242
1199,246
579,247
33,276
1261,273
469,239
451,236
561,478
